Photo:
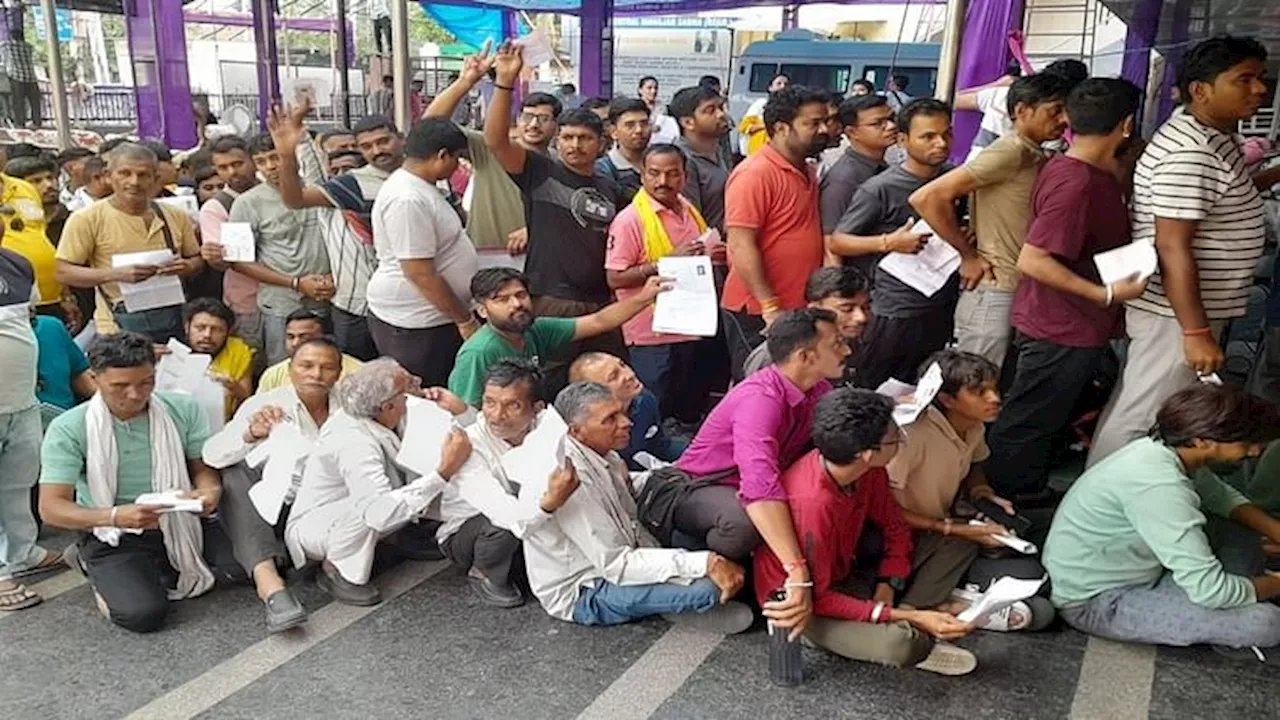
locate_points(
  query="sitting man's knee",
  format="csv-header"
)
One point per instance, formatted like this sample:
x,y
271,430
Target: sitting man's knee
x,y
907,648
142,616
734,539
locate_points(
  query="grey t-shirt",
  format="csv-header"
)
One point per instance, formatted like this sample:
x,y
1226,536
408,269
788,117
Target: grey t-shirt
x,y
704,184
880,206
840,182
288,241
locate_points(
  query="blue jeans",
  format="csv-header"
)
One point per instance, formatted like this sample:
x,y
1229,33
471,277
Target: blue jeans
x,y
652,364
20,459
607,604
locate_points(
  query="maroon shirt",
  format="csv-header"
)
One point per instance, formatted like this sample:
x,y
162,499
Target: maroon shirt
x,y
1077,211
828,520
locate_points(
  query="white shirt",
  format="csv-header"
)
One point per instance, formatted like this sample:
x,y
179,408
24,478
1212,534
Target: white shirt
x,y
413,221
79,200
597,535
228,447
993,103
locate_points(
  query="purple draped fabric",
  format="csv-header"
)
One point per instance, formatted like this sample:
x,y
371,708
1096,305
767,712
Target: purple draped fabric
x,y
986,27
1138,40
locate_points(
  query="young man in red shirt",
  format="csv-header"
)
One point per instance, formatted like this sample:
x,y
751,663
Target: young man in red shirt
x,y
832,493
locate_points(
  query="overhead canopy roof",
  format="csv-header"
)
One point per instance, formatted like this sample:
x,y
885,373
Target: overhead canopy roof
x,y
1255,18
635,7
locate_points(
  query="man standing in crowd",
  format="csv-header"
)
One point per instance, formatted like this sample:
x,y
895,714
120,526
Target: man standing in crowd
x,y
1194,198
345,203
844,291
235,166
869,127
96,184
771,212
631,131
290,265
700,112
907,326
419,295
1063,315
992,100
659,222
129,221
568,207
26,233
1000,182
382,101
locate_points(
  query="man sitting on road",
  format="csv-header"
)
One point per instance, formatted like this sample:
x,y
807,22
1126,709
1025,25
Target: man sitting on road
x,y
594,564
647,434
207,324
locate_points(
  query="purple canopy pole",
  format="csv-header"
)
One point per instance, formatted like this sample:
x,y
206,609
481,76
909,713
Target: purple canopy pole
x,y
162,88
1173,57
264,37
987,27
595,73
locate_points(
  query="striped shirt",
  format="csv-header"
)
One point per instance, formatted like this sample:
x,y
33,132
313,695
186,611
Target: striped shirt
x,y
1195,173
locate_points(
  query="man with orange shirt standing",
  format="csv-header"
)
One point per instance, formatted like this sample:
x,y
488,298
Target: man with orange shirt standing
x,y
771,217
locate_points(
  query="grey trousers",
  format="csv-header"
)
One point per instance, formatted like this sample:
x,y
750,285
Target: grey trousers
x,y
983,325
937,564
715,518
489,549
1163,614
253,541
893,644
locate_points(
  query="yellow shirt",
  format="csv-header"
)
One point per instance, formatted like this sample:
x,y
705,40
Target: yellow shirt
x,y
30,241
277,375
94,234
236,362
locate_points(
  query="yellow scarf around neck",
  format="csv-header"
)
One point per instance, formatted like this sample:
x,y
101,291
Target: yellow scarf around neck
x,y
657,244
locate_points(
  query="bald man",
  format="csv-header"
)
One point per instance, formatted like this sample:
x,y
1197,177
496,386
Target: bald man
x,y
642,406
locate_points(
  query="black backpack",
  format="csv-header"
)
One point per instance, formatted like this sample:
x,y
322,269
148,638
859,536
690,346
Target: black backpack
x,y
666,488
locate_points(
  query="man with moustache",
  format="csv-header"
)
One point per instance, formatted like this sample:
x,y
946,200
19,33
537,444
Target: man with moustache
x,y
771,213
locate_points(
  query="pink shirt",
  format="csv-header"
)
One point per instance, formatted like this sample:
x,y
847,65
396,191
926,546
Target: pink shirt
x,y
626,250
239,292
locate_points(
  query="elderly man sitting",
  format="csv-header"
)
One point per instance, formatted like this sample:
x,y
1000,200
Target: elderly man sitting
x,y
485,512
642,406
303,402
594,564
98,457
353,493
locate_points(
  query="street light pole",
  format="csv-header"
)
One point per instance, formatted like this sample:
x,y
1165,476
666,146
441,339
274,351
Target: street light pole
x,y
949,58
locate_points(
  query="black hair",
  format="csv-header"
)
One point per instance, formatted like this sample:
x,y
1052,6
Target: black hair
x,y
538,99
844,281
333,133
578,117
305,314
388,77
902,81
339,154
623,105
24,167
72,154
430,136
1098,106
1013,68
848,421
1221,413
920,106
794,330
687,100
372,123
663,149
783,106
595,103
196,160
710,81
852,107
646,79
1212,57
121,350
961,370
569,88
1070,70
230,143
871,88
23,149
487,282
204,172
162,151
1034,90
93,165
509,371
208,306
325,341
104,149
261,144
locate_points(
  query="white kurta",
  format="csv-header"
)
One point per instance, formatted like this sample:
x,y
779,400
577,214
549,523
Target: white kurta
x,y
228,447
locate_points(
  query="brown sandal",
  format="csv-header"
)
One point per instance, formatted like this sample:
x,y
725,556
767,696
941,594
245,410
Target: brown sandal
x,y
50,561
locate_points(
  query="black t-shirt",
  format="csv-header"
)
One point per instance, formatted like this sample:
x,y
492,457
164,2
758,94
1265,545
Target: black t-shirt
x,y
568,217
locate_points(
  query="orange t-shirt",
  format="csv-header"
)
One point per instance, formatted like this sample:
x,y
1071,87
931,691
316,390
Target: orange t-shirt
x,y
770,195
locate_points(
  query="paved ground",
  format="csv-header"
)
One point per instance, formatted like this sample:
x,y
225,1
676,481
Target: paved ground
x,y
431,650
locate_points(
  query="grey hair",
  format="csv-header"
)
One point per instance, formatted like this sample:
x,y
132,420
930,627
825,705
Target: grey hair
x,y
132,152
363,393
573,401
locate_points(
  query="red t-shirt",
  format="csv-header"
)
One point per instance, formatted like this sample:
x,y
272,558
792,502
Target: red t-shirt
x,y
828,520
1077,211
770,195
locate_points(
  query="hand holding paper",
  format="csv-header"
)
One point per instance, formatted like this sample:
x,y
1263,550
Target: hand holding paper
x,y
690,306
237,242
1002,593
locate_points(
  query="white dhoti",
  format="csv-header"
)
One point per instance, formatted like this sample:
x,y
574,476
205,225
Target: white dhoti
x,y
346,532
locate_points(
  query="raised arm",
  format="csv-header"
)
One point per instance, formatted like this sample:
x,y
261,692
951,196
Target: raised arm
x,y
497,125
288,130
474,69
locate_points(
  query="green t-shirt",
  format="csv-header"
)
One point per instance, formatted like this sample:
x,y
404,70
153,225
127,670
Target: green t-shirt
x,y
62,458
487,347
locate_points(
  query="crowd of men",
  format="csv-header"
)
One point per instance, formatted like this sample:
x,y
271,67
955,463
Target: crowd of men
x,y
385,267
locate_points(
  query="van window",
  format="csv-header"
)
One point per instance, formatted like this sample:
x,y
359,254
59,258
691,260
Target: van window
x,y
834,78
921,80
761,75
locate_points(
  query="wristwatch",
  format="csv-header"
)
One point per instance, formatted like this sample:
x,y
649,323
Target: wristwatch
x,y
897,583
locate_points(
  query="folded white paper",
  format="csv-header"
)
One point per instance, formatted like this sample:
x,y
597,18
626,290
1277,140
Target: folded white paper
x,y
690,306
156,291
171,501
539,455
282,457
906,411
426,427
1002,593
928,270
1136,258
1009,540
236,239
535,48
182,369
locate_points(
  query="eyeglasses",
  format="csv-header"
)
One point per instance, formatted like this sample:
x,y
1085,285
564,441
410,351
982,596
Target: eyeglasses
x,y
526,118
878,124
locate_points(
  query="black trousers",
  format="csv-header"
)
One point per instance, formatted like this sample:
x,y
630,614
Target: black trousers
x,y
895,347
133,577
253,541
556,367
27,103
1047,382
381,29
352,333
426,352
714,517
742,333
492,551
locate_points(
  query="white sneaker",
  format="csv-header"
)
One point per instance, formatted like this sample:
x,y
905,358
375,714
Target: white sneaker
x,y
729,618
947,659
1010,619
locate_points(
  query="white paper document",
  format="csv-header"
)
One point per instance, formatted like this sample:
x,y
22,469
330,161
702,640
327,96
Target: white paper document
x,y
539,455
237,242
1009,540
1136,258
426,427
927,270
282,457
906,411
171,501
535,48
1002,593
182,369
156,291
690,307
